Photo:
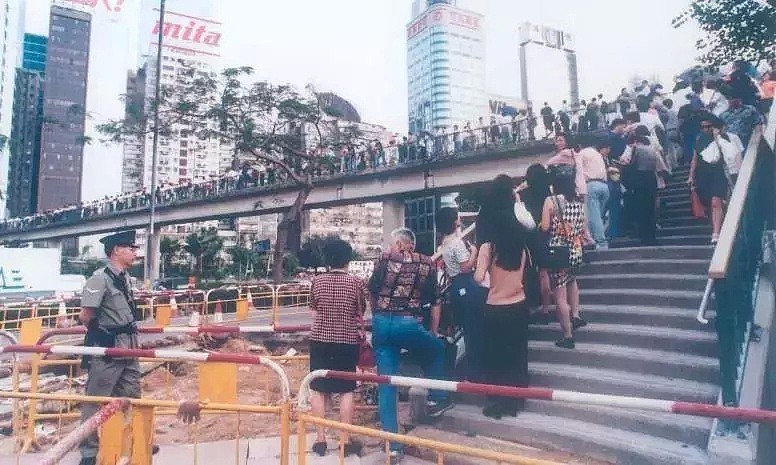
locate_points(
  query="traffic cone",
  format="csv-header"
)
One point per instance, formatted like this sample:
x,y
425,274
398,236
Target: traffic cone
x,y
61,314
173,306
194,319
218,316
250,302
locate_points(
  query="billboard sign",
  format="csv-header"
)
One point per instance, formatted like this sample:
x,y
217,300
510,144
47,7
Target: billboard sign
x,y
188,34
444,16
92,6
547,36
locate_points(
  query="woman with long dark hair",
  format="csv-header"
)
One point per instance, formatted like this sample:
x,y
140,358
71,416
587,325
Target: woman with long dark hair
x,y
534,190
563,216
505,328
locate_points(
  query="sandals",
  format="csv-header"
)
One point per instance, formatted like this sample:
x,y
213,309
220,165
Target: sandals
x,y
351,448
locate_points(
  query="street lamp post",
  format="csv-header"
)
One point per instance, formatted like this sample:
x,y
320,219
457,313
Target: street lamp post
x,y
151,239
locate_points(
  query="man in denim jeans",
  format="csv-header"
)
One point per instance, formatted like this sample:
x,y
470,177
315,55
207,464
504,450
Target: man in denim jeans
x,y
402,283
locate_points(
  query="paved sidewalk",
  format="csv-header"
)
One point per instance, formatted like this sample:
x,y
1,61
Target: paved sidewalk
x,y
260,451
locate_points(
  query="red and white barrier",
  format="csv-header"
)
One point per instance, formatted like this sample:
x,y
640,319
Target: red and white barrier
x,y
178,355
638,403
75,437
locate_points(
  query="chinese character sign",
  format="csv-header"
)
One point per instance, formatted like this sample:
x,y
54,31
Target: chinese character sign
x,y
444,16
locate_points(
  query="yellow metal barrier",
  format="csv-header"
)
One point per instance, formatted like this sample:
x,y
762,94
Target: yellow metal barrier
x,y
291,299
134,439
440,448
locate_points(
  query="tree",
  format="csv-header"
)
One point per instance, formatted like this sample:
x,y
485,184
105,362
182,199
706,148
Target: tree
x,y
244,258
203,246
257,119
168,249
734,30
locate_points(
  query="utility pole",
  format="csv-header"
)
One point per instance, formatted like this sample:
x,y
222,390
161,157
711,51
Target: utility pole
x,y
151,239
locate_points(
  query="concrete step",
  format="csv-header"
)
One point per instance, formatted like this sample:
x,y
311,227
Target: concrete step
x,y
662,241
627,297
683,202
629,360
701,343
598,441
658,266
668,317
622,383
686,429
691,230
672,282
659,252
688,220
674,212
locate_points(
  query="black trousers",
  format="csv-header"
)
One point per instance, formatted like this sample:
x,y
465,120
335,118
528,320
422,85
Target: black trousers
x,y
505,354
644,195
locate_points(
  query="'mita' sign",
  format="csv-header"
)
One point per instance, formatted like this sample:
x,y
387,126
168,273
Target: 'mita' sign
x,y
188,34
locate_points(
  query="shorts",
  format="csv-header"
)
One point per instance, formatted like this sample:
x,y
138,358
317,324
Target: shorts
x,y
333,356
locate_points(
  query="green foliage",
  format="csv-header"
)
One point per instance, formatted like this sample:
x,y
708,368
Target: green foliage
x,y
203,246
290,264
733,30
244,259
169,248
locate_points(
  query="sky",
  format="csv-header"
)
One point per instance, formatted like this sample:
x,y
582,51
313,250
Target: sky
x,y
357,48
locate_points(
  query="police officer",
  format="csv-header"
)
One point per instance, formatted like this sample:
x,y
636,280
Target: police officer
x,y
107,310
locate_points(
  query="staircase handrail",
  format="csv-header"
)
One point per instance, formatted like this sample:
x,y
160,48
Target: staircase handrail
x,y
721,258
734,268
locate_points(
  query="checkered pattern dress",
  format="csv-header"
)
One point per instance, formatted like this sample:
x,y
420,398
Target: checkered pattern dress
x,y
568,232
338,300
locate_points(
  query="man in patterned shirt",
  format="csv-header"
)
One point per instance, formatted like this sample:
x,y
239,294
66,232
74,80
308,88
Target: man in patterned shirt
x,y
403,282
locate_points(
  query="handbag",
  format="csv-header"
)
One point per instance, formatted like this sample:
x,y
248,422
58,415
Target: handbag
x,y
557,257
366,354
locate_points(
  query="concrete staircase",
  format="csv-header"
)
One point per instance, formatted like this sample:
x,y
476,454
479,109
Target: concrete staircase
x,y
642,340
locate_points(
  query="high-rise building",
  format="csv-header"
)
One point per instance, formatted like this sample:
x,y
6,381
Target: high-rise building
x,y
361,225
133,163
24,144
182,155
34,52
64,108
11,33
445,66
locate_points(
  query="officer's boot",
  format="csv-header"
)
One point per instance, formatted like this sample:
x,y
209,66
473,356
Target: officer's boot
x,y
88,461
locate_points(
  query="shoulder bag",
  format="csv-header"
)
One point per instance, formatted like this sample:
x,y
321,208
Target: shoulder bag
x,y
556,257
366,354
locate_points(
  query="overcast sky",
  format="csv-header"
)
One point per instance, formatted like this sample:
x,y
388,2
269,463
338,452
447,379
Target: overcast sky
x,y
357,48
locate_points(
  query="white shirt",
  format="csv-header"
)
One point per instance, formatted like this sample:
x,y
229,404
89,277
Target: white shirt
x,y
651,121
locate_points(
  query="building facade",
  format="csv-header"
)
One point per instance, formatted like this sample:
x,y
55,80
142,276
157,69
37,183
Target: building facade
x,y
360,225
445,66
11,36
24,144
34,52
64,109
133,160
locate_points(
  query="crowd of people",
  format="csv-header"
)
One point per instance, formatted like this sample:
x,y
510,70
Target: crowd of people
x,y
352,157
601,183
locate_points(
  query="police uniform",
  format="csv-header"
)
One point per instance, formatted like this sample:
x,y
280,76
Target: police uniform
x,y
113,326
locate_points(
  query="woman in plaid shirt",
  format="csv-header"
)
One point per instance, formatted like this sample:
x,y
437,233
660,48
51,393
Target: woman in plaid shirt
x,y
338,301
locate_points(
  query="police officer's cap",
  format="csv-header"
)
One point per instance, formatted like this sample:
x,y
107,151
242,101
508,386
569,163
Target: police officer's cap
x,y
125,238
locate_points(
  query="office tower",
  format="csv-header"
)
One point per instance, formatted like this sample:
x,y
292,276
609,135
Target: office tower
x,y
24,144
445,66
64,109
133,163
11,34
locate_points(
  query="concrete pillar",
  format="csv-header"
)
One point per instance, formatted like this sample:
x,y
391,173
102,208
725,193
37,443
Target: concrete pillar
x,y
152,258
393,217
